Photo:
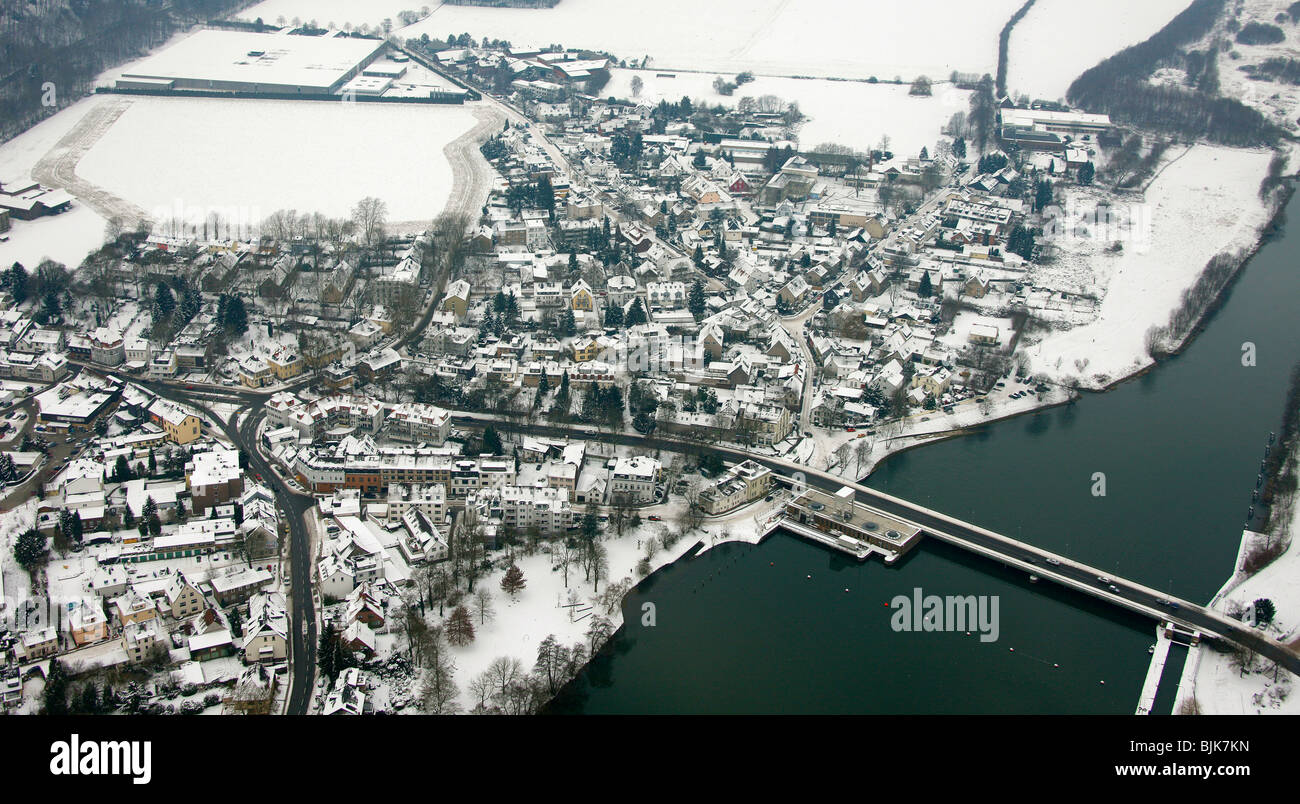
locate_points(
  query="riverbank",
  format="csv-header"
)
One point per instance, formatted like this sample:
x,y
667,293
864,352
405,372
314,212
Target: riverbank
x,y
1214,682
566,604
1202,205
1217,682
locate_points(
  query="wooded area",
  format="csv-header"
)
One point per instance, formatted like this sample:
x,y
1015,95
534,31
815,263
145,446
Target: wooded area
x,y
1118,86
51,50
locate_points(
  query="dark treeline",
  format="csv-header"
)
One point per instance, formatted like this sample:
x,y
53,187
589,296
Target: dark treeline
x,y
60,45
1280,469
1279,68
1260,33
1118,87
1196,302
1004,40
505,3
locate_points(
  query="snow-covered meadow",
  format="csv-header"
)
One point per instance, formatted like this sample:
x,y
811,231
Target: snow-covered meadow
x,y
1213,189
333,13
1057,40
776,37
66,238
852,113
244,159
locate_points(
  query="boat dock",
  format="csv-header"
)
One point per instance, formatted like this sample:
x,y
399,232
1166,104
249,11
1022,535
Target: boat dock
x,y
1167,635
1147,699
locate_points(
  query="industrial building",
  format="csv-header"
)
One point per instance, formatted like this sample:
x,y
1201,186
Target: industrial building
x,y
240,62
1050,131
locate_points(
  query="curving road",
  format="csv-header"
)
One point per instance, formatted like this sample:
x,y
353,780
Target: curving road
x,y
294,506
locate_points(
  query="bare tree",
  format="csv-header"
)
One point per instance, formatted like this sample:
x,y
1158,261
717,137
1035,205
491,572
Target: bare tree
x,y
482,605
862,454
842,454
451,234
600,631
369,217
438,691
621,512
504,671
564,557
482,688
692,514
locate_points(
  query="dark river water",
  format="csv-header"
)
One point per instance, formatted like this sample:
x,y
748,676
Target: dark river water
x,y
743,629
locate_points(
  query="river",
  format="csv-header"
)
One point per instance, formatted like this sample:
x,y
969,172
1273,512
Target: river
x,y
744,629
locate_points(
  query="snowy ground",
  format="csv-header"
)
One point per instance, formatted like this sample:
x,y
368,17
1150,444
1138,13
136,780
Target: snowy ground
x,y
14,581
1279,101
924,426
852,113
775,37
66,238
332,13
1221,688
172,157
1057,40
1217,188
519,626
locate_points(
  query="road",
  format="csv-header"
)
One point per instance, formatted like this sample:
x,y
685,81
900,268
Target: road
x,y
303,637
1084,578
294,506
794,325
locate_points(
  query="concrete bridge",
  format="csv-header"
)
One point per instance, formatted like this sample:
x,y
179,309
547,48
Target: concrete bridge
x,y
1046,564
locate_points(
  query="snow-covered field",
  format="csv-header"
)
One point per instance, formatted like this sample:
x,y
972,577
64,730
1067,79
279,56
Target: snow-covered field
x,y
1217,189
333,13
65,238
15,584
68,237
244,159
1057,40
776,37
852,113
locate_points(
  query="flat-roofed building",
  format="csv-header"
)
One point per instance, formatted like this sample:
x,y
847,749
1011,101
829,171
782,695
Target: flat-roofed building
x,y
238,61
